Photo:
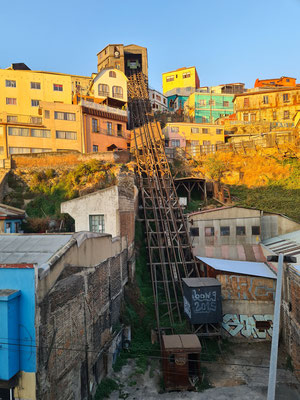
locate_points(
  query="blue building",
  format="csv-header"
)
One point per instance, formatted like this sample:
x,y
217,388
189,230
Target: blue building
x,y
11,219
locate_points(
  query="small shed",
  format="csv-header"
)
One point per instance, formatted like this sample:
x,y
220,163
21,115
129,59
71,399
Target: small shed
x,y
181,361
202,300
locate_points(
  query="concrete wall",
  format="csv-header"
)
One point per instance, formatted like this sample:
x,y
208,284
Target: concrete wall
x,y
247,301
270,226
105,201
76,314
290,317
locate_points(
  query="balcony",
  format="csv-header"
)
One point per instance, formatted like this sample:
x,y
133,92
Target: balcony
x,y
111,132
20,119
118,95
103,93
103,108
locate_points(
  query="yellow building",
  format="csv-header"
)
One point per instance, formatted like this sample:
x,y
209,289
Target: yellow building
x,y
58,127
192,137
276,106
24,126
22,90
111,84
180,78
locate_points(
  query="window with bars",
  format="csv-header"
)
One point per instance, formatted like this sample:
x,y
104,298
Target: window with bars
x,y
112,74
117,91
103,89
95,125
194,130
97,223
109,128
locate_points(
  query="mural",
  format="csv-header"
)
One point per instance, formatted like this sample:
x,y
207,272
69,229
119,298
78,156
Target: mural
x,y
238,287
249,326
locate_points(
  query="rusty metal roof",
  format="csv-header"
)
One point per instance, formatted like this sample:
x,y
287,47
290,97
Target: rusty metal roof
x,y
181,342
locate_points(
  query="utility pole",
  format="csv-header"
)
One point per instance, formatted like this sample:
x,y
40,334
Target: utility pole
x,y
276,323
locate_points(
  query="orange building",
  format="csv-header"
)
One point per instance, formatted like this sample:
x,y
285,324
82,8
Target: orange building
x,y
283,81
104,127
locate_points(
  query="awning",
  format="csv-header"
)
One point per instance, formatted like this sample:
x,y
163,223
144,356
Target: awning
x,y
239,267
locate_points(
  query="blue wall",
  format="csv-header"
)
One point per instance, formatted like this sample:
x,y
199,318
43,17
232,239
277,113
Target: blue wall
x,y
181,99
23,279
203,111
12,225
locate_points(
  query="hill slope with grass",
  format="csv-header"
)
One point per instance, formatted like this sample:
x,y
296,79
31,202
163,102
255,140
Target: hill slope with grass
x,y
40,191
266,178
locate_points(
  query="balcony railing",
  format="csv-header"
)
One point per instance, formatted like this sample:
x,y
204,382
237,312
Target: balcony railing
x,y
20,119
118,95
111,132
104,108
103,93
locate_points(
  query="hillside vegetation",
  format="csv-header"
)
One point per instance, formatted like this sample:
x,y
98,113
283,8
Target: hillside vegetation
x,y
266,178
40,191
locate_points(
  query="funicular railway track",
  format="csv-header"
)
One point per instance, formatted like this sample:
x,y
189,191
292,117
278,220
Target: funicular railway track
x,y
169,249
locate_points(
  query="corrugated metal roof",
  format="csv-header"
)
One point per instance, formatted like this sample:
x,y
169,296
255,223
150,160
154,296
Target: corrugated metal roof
x,y
31,249
242,252
288,244
240,267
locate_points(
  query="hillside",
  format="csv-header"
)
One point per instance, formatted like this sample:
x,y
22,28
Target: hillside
x,y
40,191
266,178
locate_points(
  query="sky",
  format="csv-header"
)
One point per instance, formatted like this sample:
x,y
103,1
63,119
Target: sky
x,y
227,41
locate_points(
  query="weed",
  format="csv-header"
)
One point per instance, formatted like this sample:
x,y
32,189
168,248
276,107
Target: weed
x,y
106,387
204,384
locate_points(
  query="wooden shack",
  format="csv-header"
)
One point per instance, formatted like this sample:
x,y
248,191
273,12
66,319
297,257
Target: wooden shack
x,y
181,361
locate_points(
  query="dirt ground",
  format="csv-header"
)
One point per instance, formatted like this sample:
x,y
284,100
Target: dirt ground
x,y
240,373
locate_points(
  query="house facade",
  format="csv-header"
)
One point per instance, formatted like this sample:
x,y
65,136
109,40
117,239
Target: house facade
x,y
11,219
277,106
158,101
207,107
180,78
191,137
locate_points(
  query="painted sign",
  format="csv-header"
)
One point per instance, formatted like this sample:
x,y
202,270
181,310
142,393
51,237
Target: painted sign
x,y
239,287
249,326
205,302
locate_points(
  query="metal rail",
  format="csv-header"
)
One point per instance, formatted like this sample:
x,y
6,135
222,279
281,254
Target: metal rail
x,y
169,248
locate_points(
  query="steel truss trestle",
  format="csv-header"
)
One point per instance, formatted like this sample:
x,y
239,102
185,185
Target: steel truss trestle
x,y
169,248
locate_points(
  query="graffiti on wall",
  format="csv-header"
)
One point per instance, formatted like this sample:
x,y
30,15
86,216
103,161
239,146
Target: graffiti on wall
x,y
249,326
238,287
204,302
